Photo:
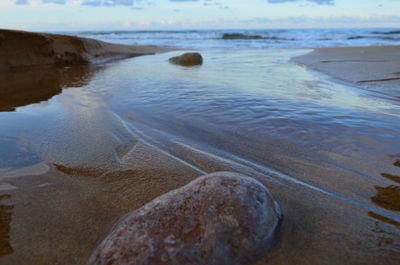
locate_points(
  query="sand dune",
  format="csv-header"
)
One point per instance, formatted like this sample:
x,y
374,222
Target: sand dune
x,y
20,48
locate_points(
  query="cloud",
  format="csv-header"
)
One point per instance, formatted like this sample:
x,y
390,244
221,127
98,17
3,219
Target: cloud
x,y
91,2
59,2
107,2
96,2
83,2
325,22
118,2
318,2
131,2
22,2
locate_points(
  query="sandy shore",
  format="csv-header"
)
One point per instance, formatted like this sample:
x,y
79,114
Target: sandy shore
x,y
376,66
75,165
20,48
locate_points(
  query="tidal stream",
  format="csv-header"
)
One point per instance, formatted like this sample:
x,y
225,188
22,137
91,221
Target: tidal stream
x,y
82,146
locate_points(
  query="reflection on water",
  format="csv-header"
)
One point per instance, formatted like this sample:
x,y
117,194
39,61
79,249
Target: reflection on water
x,y
57,129
23,87
5,220
16,152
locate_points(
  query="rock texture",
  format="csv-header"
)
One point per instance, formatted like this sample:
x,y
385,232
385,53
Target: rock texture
x,y
187,59
221,218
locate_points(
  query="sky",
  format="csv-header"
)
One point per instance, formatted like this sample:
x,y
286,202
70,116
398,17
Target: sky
x,y
65,15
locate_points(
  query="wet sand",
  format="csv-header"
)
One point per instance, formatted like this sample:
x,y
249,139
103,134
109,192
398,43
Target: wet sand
x,y
62,193
374,67
60,216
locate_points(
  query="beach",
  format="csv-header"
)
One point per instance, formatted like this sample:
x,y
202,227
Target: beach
x,y
86,141
374,67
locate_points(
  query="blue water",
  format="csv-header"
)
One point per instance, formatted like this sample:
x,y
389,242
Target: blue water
x,y
250,104
268,38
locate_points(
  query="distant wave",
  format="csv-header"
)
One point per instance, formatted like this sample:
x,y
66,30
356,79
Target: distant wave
x,y
373,37
387,32
122,32
240,36
356,37
94,33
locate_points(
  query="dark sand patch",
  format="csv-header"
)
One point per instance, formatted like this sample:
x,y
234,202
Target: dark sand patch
x,y
391,177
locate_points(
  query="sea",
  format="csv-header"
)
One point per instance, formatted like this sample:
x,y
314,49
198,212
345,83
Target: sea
x,y
254,39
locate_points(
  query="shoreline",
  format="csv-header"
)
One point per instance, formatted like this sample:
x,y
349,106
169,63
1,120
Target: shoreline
x,y
371,67
25,49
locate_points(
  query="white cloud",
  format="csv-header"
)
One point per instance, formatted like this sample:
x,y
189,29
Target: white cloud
x,y
21,2
118,2
59,2
319,2
83,2
92,2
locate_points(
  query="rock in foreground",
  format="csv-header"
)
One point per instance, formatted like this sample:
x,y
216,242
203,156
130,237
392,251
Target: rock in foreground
x,y
222,218
187,59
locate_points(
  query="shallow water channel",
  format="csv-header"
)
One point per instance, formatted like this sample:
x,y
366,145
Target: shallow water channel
x,y
82,146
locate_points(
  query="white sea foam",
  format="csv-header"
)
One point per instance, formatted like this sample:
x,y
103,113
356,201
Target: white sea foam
x,y
251,39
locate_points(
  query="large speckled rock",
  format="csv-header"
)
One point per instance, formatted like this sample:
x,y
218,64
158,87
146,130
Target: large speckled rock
x,y
221,218
187,59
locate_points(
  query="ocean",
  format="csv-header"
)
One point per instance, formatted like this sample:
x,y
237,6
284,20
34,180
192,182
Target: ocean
x,y
251,39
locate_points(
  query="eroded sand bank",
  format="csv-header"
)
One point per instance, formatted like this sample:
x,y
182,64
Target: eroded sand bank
x,y
20,48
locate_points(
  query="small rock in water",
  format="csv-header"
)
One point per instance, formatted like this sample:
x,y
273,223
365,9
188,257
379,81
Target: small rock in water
x,y
221,218
187,59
